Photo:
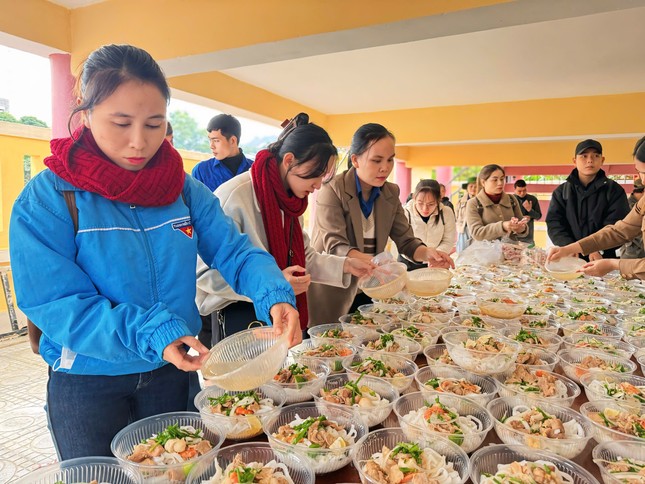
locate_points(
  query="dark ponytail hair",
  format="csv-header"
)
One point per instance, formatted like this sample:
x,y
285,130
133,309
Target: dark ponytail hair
x,y
365,137
110,66
432,187
639,150
307,142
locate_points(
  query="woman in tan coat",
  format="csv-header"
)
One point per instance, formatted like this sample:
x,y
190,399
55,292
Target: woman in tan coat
x,y
610,236
492,213
356,213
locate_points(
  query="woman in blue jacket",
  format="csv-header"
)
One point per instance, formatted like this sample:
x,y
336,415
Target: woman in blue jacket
x,y
115,296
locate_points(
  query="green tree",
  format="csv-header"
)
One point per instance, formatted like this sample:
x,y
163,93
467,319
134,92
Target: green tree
x,y
8,117
32,121
256,144
187,134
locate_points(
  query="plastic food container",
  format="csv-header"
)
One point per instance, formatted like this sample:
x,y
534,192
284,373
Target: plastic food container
x,y
297,467
609,452
593,328
402,368
604,344
371,411
321,460
238,427
246,359
474,420
502,305
565,269
124,442
438,355
532,357
385,281
531,338
439,379
575,363
302,391
391,437
83,469
338,351
570,446
403,345
428,281
367,324
481,361
603,433
352,334
626,389
425,336
487,459
565,385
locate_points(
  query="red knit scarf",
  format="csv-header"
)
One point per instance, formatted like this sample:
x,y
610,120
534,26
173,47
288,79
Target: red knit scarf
x,y
84,165
274,201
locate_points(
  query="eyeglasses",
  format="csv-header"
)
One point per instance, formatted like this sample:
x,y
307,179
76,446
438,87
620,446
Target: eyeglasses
x,y
426,205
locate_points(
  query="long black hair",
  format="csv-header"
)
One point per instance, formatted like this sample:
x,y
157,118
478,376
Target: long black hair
x,y
364,137
307,142
639,150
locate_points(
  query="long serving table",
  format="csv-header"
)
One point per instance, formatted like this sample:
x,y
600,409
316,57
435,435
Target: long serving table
x,y
349,474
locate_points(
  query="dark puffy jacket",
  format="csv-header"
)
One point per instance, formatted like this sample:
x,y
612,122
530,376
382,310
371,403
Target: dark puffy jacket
x,y
576,211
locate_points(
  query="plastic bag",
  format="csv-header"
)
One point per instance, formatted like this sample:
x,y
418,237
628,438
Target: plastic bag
x,y
513,250
481,252
383,258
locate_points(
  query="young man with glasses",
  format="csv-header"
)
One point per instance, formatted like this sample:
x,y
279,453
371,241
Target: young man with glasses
x,y
586,202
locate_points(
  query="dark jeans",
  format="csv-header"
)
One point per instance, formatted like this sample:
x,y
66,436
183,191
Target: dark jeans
x,y
86,411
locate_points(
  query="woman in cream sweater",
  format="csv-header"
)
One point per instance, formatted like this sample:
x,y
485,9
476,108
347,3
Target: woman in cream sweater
x,y
430,222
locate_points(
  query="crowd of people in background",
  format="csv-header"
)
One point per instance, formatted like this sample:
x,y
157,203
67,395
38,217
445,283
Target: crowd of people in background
x,y
119,300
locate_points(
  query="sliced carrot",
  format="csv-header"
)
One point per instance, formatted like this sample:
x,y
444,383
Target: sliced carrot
x,y
189,453
243,411
409,477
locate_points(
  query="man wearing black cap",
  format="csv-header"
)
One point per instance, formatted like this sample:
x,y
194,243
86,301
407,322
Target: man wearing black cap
x,y
586,202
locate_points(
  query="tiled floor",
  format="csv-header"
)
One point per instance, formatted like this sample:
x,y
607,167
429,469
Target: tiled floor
x,y
25,444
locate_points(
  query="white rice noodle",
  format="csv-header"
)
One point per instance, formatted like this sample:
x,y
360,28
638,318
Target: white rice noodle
x,y
572,429
433,466
506,475
469,425
279,470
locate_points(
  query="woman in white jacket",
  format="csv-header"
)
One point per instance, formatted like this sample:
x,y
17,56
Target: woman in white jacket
x,y
430,220
267,203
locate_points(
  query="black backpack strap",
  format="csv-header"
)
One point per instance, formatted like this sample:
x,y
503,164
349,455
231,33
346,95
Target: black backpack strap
x,y
70,200
480,207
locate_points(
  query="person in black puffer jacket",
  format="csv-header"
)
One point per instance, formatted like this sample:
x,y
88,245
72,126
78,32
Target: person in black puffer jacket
x,y
586,202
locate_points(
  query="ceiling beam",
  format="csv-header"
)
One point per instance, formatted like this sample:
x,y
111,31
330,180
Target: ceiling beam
x,y
237,97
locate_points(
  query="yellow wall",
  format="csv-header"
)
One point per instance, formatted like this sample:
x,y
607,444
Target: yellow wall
x,y
16,141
